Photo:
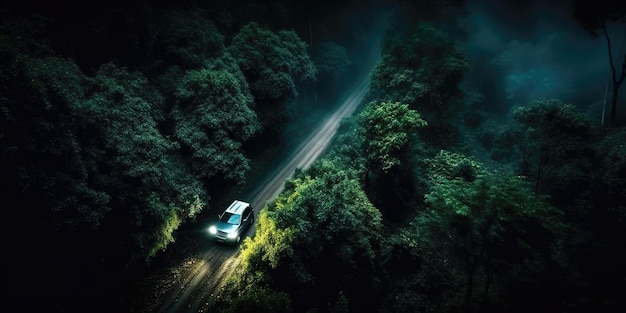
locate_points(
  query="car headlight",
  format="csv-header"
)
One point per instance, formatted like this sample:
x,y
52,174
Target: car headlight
x,y
212,230
233,235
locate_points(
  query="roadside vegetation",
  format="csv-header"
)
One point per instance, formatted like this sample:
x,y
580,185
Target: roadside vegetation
x,y
106,154
401,216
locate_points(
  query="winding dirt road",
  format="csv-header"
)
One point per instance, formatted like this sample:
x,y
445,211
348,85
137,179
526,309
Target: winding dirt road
x,y
196,287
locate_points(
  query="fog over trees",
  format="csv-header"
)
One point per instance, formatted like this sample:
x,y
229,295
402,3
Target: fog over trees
x,y
484,172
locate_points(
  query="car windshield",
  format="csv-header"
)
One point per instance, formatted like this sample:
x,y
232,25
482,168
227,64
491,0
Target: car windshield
x,y
231,218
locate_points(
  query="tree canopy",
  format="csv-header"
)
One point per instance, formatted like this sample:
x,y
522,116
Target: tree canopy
x,y
122,123
272,62
423,70
213,117
388,128
273,65
491,221
323,216
331,59
555,137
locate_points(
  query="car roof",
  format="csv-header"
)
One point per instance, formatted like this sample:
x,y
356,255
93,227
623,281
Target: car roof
x,y
237,207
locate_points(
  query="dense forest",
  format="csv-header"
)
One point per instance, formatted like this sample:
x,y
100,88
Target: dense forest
x,y
121,122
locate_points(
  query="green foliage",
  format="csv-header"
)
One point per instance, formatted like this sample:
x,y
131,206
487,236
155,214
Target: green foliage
x,y
213,117
260,256
169,224
602,226
450,165
509,148
388,128
85,163
320,236
21,36
613,152
128,132
346,149
335,224
557,139
426,282
260,300
263,253
549,121
188,38
84,155
331,59
40,148
187,191
116,121
424,70
489,224
422,66
551,143
272,63
295,56
502,198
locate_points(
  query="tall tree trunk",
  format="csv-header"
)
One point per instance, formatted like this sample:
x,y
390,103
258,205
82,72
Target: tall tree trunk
x,y
616,81
616,84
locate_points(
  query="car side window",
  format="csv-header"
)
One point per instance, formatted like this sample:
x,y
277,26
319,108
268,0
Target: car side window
x,y
246,213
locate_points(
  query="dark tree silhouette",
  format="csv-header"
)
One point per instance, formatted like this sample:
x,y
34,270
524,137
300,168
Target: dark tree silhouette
x,y
594,16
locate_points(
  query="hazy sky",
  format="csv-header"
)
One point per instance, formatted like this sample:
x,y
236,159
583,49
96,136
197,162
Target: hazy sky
x,y
526,49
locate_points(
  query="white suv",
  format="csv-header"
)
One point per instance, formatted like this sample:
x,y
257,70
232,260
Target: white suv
x,y
233,223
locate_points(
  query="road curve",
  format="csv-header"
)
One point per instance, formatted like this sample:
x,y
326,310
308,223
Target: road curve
x,y
195,288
